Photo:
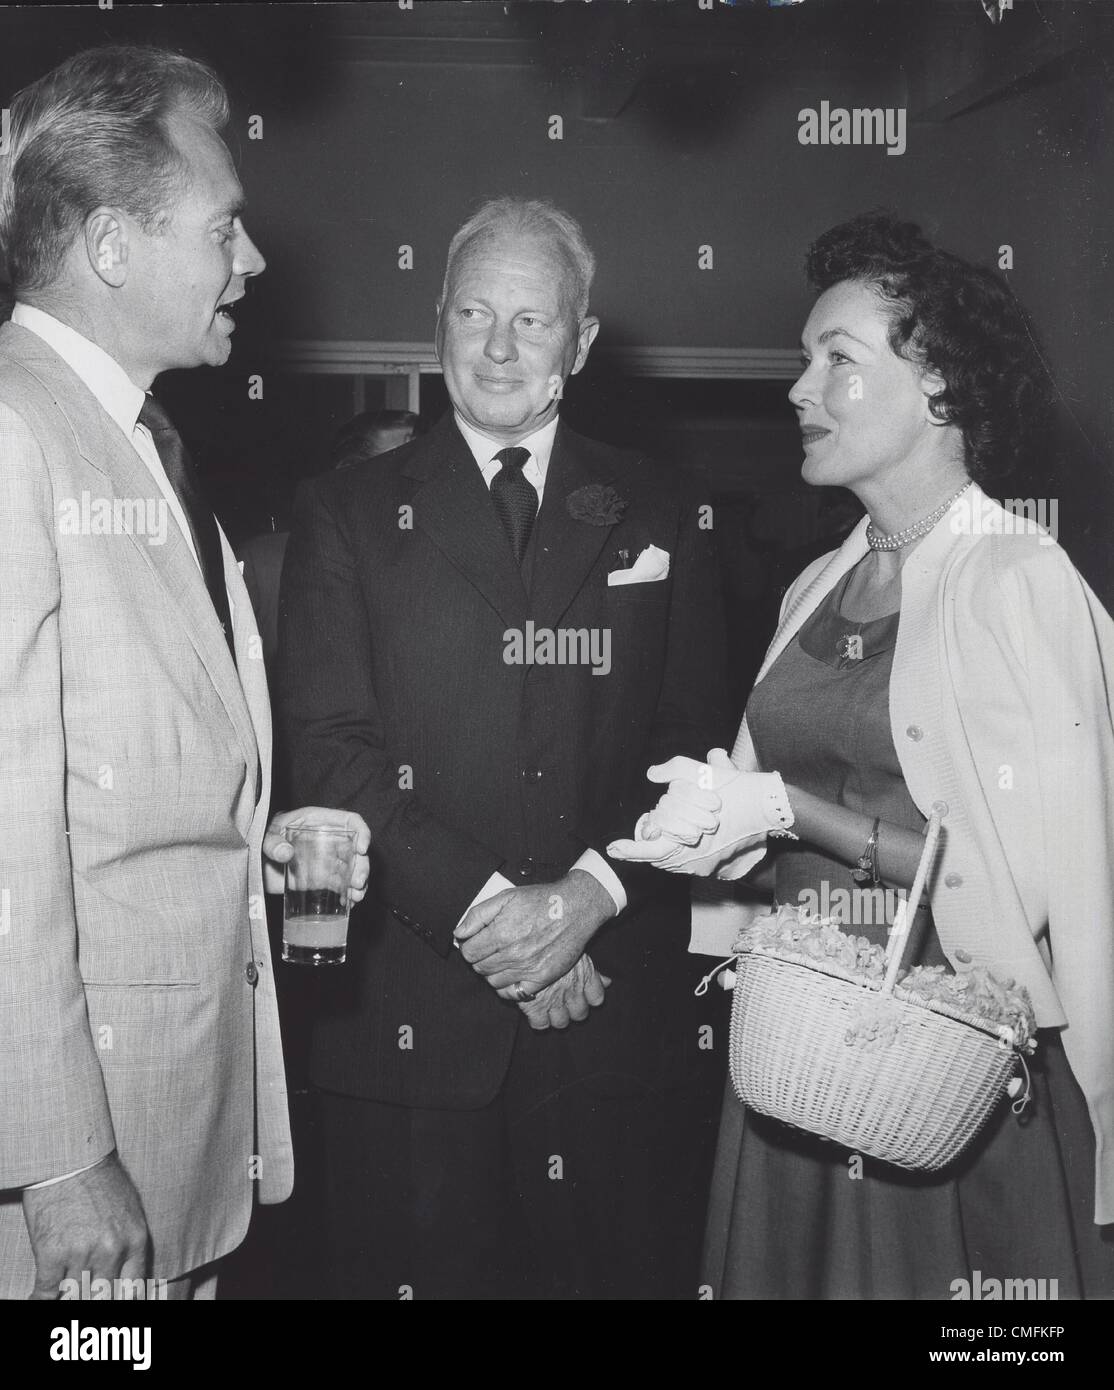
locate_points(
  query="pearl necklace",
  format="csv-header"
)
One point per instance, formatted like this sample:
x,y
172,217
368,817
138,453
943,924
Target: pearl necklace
x,y
877,541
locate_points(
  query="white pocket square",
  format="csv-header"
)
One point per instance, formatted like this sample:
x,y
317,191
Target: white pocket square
x,y
652,564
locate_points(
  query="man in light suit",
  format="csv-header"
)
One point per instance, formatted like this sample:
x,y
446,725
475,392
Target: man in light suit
x,y
477,1145
142,1095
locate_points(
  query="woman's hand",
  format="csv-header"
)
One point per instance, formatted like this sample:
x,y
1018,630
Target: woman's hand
x,y
710,813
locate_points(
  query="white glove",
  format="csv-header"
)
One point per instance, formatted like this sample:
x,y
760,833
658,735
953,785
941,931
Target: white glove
x,y
711,813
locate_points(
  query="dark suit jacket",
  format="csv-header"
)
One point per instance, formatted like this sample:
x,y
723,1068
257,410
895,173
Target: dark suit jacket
x,y
399,592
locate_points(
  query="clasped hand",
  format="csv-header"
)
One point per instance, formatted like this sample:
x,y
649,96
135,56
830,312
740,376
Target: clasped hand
x,y
710,812
534,938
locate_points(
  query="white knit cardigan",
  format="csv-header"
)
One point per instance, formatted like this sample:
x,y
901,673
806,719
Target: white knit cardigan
x,y
1000,715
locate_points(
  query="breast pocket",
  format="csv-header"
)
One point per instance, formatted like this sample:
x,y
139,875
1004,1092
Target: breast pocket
x,y
650,591
637,619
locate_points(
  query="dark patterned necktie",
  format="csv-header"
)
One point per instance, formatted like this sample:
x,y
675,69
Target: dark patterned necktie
x,y
516,502
202,523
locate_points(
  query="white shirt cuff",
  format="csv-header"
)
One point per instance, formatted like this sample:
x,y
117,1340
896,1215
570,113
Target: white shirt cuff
x,y
495,884
590,861
49,1182
595,864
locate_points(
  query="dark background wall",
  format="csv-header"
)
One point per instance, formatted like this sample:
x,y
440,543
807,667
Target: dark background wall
x,y
384,127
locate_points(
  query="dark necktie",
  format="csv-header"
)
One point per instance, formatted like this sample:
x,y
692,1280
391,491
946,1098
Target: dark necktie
x,y
516,502
202,523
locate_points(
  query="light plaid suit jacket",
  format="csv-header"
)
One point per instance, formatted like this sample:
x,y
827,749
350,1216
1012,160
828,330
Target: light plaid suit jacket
x,y
137,1002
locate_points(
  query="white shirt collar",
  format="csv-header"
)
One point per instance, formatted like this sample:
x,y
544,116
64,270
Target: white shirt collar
x,y
484,449
114,389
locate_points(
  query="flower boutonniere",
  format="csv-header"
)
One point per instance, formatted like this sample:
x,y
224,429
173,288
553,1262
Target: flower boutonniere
x,y
596,504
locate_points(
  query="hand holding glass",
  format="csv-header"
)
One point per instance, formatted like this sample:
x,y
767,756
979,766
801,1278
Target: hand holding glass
x,y
316,900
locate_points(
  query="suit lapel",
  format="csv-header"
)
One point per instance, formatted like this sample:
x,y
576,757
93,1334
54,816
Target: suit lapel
x,y
452,506
250,670
102,445
177,571
567,549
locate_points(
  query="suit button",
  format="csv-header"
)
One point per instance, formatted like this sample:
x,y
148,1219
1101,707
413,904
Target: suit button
x,y
251,973
940,807
527,869
915,733
532,774
953,881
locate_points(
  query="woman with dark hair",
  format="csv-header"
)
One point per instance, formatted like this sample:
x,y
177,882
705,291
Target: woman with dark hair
x,y
947,657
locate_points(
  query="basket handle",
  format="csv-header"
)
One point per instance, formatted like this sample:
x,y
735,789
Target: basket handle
x,y
907,908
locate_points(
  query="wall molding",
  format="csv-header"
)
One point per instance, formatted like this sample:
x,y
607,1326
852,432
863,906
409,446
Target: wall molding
x,y
404,359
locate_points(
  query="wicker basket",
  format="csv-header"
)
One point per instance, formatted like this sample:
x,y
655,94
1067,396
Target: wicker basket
x,y
916,1095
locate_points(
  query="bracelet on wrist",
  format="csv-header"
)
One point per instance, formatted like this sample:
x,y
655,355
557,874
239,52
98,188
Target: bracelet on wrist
x,y
866,868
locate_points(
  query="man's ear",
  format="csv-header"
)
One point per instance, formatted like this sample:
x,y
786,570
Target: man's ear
x,y
586,336
438,334
106,246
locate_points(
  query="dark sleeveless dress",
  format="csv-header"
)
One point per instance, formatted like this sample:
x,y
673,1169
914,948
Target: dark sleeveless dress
x,y
788,1217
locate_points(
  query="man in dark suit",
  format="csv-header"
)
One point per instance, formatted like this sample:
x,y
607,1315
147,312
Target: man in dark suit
x,y
487,638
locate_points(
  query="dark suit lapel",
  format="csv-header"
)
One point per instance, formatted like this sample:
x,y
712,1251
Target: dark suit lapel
x,y
567,548
101,444
452,506
177,571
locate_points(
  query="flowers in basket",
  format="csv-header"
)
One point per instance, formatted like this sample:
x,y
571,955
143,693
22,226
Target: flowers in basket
x,y
1002,1006
792,930
1005,1006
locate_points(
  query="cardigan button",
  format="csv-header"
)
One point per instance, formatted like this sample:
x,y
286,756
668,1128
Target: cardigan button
x,y
953,881
915,733
940,807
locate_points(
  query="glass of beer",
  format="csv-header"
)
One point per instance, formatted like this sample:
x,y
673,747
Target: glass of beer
x,y
315,903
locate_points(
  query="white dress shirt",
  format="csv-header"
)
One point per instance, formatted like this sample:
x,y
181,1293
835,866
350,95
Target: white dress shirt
x,y
534,470
114,389
540,445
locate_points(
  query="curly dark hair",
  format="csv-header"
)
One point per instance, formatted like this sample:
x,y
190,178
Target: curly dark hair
x,y
957,320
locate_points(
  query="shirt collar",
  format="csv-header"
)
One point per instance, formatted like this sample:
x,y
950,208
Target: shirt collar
x,y
114,389
484,449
